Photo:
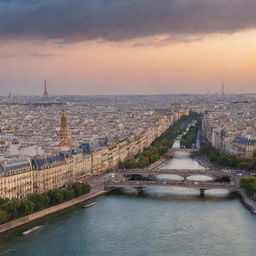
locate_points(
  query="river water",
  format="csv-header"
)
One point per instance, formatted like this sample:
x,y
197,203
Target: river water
x,y
158,222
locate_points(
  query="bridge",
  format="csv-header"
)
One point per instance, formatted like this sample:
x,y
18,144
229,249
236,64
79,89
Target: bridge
x,y
184,173
202,185
183,150
121,179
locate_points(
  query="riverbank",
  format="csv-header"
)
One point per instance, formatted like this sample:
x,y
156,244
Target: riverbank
x,y
156,165
247,201
51,210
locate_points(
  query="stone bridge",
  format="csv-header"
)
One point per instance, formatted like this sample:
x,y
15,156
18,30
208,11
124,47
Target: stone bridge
x,y
120,179
182,150
184,173
202,185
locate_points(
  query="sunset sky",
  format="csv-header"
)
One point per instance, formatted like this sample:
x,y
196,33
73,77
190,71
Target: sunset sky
x,y
127,46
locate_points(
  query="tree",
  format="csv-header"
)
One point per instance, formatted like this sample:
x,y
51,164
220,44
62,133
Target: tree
x,y
40,201
78,189
68,194
56,196
244,165
143,162
26,207
86,188
3,216
249,184
12,208
254,160
3,200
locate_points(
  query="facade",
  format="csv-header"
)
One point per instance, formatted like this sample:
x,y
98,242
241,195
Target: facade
x,y
16,179
228,134
242,147
39,174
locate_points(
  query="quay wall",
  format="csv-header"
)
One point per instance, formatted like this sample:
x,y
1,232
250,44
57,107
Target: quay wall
x,y
247,202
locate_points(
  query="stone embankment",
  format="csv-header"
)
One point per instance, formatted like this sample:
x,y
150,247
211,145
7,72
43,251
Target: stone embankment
x,y
156,165
51,210
247,201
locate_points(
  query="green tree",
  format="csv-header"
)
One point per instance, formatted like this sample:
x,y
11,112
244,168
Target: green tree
x,y
86,188
26,207
12,208
3,200
254,160
3,216
56,196
249,184
41,201
68,194
78,189
245,165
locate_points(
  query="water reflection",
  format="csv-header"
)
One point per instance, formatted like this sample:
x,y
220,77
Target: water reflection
x,y
169,177
199,178
178,178
156,221
182,160
170,193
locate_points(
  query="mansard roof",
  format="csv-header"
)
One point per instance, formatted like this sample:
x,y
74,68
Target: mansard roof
x,y
40,163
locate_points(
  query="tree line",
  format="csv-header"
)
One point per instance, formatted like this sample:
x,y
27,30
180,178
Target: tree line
x,y
189,138
16,208
159,146
226,160
249,185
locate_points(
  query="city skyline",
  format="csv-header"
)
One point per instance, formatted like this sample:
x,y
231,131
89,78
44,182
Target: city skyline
x,y
127,127
135,47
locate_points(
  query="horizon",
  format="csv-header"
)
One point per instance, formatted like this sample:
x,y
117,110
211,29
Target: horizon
x,y
131,94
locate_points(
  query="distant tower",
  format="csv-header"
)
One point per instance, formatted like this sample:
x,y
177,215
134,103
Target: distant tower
x,y
222,89
10,96
45,89
65,140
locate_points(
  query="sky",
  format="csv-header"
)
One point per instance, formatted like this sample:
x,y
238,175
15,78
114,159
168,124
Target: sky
x,y
90,47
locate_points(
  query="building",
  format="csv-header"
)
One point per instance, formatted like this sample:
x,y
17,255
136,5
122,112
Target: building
x,y
39,174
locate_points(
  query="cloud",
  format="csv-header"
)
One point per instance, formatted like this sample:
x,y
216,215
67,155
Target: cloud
x,y
40,55
7,56
45,55
114,20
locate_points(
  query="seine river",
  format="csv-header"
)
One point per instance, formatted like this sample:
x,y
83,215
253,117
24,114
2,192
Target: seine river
x,y
158,222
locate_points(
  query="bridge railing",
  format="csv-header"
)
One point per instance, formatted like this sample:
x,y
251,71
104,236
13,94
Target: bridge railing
x,y
168,182
185,172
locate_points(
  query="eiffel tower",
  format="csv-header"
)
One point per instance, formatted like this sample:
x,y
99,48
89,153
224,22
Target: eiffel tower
x,y
45,90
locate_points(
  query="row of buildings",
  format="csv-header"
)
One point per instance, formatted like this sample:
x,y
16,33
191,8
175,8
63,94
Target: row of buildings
x,y
230,127
18,178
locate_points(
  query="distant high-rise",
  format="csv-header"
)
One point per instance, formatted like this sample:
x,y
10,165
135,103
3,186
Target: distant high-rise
x,y
45,89
222,89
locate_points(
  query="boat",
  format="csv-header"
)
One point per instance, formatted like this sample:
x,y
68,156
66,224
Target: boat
x,y
31,230
89,205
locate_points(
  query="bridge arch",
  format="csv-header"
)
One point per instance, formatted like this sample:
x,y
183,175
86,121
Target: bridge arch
x,y
200,177
171,177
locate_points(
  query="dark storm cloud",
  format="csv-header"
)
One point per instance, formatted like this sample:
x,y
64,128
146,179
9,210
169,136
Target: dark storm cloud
x,y
78,20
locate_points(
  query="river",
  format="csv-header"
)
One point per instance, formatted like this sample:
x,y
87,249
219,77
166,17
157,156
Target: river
x,y
158,222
